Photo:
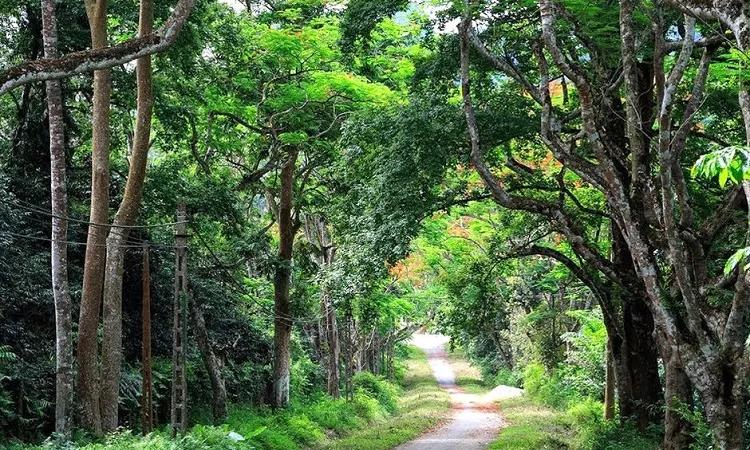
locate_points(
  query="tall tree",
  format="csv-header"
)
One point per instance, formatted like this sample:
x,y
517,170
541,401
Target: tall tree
x,y
59,257
93,273
120,231
283,320
211,361
636,158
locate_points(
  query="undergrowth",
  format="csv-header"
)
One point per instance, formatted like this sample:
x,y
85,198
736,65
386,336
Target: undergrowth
x,y
380,415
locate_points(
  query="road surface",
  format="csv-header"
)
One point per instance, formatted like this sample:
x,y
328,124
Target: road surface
x,y
475,420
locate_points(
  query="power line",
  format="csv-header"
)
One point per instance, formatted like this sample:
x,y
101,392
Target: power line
x,y
43,239
241,289
133,243
35,209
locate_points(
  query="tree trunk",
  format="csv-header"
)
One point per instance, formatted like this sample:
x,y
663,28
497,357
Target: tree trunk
x,y
93,269
609,389
212,363
722,398
635,352
59,200
120,231
147,407
317,234
282,281
332,335
677,393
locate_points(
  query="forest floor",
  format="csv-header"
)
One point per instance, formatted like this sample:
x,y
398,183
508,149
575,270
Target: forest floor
x,y
475,420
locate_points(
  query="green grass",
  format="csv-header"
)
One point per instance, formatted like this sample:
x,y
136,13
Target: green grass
x,y
421,406
468,376
532,426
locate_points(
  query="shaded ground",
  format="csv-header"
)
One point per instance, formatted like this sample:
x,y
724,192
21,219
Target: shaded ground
x,y
475,420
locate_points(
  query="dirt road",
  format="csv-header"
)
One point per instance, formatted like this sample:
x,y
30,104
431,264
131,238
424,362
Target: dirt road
x,y
475,420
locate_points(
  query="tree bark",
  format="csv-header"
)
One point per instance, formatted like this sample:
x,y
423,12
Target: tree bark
x,y
120,231
282,282
723,401
609,389
212,363
334,351
59,257
677,394
635,353
93,271
318,235
147,407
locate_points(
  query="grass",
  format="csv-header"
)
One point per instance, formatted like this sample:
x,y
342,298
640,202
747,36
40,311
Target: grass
x,y
421,406
468,376
532,426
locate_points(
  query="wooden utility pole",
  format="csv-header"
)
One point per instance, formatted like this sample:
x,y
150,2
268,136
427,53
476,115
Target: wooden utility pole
x,y
147,421
179,329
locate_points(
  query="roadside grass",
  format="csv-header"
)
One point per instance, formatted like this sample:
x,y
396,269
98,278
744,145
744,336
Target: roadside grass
x,y
468,376
422,405
531,426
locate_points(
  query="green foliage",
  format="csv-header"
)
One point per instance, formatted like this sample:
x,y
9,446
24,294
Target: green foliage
x,y
730,163
508,377
376,387
700,431
361,18
732,67
739,257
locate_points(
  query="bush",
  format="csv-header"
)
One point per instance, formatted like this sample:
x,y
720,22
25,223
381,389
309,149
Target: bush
x,y
367,407
508,377
550,389
533,378
378,388
301,429
611,435
337,415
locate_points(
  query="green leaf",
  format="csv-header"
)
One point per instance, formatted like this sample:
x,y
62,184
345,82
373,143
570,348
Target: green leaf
x,y
739,256
723,177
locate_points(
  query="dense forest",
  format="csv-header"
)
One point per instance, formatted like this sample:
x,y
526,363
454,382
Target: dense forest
x,y
223,221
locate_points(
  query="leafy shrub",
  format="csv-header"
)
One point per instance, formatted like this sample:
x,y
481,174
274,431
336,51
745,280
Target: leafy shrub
x,y
304,372
700,431
378,388
337,415
533,378
586,412
367,407
508,377
611,435
301,429
550,389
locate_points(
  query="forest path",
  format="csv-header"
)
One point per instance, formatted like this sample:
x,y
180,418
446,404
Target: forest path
x,y
475,421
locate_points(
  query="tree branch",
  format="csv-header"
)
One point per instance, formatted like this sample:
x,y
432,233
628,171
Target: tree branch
x,y
98,59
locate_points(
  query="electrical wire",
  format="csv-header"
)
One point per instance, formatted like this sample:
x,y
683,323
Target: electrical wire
x,y
133,243
35,209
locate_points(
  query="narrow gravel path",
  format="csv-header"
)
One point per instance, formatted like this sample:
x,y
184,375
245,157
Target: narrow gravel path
x,y
475,421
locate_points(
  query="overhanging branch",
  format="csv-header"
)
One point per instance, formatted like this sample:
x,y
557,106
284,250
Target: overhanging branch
x,y
98,59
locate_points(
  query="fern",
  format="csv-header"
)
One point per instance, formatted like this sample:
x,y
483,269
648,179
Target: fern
x,y
6,355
